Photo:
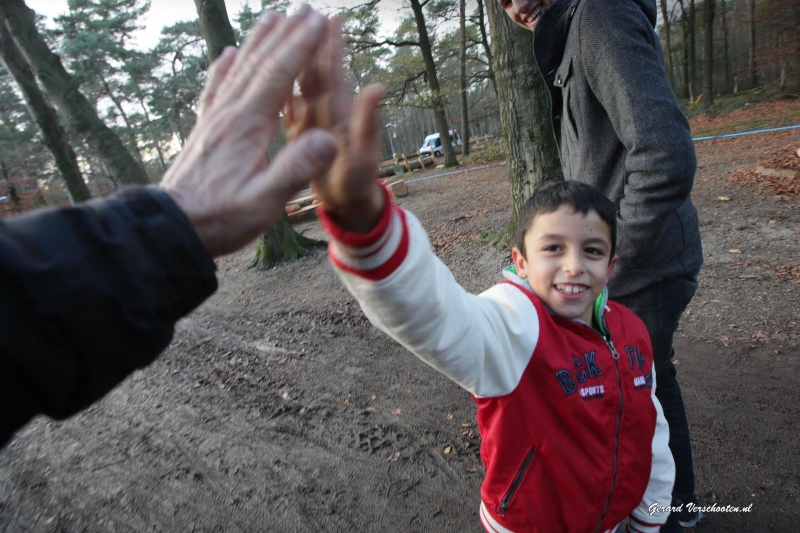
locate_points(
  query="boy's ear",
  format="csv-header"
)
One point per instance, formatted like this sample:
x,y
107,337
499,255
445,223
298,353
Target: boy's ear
x,y
520,263
611,265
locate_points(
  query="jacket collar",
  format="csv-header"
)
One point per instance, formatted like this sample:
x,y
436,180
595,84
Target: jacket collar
x,y
550,35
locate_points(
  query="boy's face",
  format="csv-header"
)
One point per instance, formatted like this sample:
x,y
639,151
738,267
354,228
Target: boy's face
x,y
525,12
568,260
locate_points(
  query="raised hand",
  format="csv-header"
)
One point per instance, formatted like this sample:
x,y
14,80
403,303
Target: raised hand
x,y
223,179
349,191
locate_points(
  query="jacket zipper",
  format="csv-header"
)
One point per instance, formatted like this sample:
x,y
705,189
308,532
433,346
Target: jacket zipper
x,y
509,495
615,356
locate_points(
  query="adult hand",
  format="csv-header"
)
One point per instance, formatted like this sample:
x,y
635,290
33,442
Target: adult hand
x,y
223,179
349,191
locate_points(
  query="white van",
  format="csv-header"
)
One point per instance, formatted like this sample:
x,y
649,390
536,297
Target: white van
x,y
433,144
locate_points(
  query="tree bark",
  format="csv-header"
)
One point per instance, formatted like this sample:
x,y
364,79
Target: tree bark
x,y
726,56
485,43
686,90
753,66
708,52
215,26
692,51
55,138
281,244
463,60
129,127
668,42
524,115
439,114
63,91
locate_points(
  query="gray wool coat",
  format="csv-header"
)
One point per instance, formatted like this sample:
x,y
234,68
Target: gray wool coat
x,y
620,128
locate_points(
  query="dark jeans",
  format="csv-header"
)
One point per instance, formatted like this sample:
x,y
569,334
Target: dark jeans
x,y
660,307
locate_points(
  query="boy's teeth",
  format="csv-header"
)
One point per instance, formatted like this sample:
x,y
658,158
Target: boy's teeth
x,y
570,289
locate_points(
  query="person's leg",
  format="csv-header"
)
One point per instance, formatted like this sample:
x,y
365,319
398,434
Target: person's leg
x,y
660,307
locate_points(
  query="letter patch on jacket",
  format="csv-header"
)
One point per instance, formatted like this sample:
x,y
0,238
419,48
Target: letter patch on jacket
x,y
585,369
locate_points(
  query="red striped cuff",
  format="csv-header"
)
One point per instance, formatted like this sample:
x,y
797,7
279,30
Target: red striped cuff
x,y
351,238
374,255
640,526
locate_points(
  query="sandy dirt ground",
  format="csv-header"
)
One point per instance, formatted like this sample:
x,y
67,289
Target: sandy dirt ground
x,y
278,407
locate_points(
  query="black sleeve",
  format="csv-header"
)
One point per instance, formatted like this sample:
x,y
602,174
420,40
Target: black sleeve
x,y
89,294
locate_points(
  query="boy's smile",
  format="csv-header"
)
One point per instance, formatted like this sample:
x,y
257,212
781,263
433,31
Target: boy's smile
x,y
568,260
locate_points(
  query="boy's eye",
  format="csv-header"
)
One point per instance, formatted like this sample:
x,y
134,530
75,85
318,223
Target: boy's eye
x,y
594,251
552,248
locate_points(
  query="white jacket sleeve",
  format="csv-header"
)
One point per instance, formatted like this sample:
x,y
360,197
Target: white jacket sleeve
x,y
482,342
650,514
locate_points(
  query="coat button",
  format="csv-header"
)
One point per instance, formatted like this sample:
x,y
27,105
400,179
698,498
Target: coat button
x,y
558,80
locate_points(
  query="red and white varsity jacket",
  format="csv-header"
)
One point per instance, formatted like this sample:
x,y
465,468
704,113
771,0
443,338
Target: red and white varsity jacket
x,y
573,438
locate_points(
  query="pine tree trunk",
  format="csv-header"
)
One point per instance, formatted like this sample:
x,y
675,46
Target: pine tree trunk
x,y
463,60
215,26
726,54
128,126
485,43
63,91
55,138
439,114
668,40
753,66
524,115
281,244
708,53
692,51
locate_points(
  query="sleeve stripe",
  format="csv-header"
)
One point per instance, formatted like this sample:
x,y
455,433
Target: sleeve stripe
x,y
375,255
384,268
643,523
358,240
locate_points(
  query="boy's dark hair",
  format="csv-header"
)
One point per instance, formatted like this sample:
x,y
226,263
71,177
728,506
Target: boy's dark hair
x,y
579,196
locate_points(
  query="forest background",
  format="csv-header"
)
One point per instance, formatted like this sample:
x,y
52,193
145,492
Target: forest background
x,y
146,95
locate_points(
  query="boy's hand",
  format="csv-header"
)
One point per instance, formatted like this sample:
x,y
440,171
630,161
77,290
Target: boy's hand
x,y
349,191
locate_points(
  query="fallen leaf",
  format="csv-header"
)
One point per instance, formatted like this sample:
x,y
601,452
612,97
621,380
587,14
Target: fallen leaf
x,y
471,469
761,336
449,416
394,458
197,385
227,354
396,412
734,251
466,425
447,450
724,198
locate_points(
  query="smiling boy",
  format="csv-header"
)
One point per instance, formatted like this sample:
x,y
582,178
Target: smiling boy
x,y
573,438
620,128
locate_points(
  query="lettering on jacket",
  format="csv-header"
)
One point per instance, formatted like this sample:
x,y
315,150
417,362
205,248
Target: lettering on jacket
x,y
637,362
585,368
